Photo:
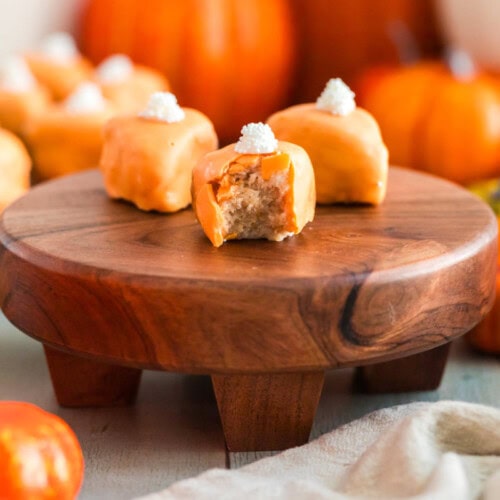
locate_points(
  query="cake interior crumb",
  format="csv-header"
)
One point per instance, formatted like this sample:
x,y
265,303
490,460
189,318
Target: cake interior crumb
x,y
251,206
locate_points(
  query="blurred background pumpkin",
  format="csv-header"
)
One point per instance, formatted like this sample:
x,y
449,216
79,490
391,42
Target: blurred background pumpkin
x,y
343,37
232,59
440,119
237,60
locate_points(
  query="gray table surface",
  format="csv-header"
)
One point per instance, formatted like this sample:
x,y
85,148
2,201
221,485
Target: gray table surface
x,y
173,430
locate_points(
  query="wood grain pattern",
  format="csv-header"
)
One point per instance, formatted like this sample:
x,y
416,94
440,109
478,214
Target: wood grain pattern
x,y
173,431
81,382
267,412
102,280
469,376
359,285
420,372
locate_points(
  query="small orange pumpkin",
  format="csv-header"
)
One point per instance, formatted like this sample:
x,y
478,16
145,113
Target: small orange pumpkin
x,y
231,59
40,457
434,121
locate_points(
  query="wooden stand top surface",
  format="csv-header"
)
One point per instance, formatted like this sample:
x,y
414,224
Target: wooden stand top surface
x,y
360,284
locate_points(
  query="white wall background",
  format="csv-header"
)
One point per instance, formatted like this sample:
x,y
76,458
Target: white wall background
x,y
473,26
24,22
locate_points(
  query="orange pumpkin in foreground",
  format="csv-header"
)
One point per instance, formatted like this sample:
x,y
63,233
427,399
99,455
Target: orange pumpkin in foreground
x,y
40,457
433,121
231,59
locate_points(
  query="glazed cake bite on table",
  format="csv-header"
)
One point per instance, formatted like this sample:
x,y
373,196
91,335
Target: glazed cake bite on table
x,y
15,167
256,188
58,65
68,137
127,85
21,97
148,158
344,143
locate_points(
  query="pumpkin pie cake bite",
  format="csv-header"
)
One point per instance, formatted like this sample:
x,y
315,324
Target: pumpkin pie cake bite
x,y
68,137
127,85
148,158
58,65
21,97
344,143
256,188
15,167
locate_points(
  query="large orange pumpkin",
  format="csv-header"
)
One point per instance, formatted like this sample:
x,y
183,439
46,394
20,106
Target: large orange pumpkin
x,y
342,37
435,121
40,457
231,59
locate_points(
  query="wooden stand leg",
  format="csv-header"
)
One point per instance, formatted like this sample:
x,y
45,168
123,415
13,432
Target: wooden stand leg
x,y
267,412
420,372
80,382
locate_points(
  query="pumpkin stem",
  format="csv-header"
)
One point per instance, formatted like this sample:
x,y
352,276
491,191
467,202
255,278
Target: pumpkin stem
x,y
404,41
460,64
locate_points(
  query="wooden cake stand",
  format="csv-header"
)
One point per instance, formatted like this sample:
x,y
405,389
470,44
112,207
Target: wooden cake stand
x,y
111,290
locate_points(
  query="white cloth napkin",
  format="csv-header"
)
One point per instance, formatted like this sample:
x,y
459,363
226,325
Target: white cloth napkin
x,y
432,451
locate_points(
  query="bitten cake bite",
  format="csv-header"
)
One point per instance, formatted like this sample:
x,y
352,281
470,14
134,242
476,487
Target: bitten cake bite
x,y
127,85
148,159
344,143
58,65
21,97
256,188
15,166
68,138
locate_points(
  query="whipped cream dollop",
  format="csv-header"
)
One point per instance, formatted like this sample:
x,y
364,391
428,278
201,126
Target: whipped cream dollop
x,y
337,98
115,69
256,138
86,98
59,47
15,75
162,106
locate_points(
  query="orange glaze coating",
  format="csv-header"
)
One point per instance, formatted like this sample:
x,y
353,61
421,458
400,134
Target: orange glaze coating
x,y
150,162
63,143
131,95
59,78
18,108
213,167
15,166
349,158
